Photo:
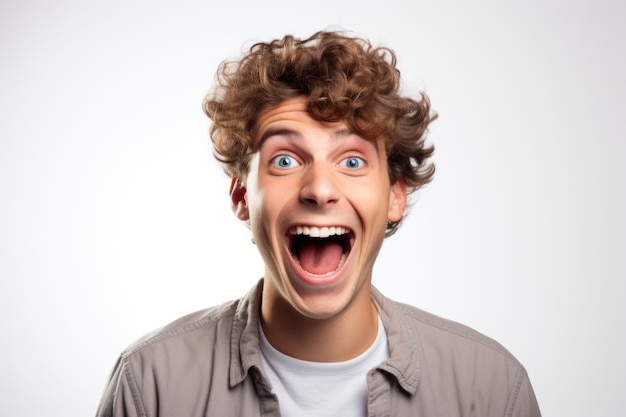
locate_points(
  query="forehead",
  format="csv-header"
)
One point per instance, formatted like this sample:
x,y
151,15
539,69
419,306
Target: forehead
x,y
291,109
292,115
287,115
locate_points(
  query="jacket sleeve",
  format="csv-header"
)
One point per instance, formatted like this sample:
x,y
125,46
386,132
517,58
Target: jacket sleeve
x,y
121,397
523,402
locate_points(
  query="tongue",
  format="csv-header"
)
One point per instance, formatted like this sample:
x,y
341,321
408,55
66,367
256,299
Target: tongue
x,y
320,257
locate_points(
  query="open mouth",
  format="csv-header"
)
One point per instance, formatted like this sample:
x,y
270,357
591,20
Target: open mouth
x,y
320,250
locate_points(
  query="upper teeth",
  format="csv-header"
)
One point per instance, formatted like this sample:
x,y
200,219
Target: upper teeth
x,y
318,231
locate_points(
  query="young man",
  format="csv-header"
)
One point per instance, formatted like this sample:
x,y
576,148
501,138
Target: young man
x,y
322,151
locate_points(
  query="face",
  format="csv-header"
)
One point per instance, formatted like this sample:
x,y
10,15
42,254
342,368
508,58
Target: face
x,y
318,198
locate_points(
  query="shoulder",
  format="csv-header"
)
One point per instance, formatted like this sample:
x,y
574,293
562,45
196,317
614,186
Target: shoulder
x,y
172,362
433,340
202,324
433,329
436,358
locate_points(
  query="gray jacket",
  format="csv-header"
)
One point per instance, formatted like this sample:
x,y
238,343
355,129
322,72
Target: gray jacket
x,y
209,364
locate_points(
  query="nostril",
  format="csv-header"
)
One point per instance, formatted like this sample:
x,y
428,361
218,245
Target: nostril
x,y
319,186
319,201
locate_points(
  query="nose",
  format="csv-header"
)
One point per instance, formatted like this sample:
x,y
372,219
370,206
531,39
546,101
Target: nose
x,y
319,186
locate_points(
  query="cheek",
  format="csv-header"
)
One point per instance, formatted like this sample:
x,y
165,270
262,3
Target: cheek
x,y
265,205
371,200
255,201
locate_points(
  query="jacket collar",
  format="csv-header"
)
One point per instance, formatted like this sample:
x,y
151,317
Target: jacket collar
x,y
245,353
404,348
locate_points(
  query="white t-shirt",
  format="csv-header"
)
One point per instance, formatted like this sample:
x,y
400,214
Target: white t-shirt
x,y
322,388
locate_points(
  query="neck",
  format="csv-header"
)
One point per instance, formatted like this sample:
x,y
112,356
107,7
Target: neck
x,y
339,338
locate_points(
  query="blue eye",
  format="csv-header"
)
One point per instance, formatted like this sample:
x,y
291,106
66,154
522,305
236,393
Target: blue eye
x,y
352,162
284,161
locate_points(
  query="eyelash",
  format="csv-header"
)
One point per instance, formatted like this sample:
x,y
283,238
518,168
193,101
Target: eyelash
x,y
344,163
277,161
287,161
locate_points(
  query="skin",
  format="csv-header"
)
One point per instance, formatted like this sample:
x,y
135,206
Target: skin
x,y
311,173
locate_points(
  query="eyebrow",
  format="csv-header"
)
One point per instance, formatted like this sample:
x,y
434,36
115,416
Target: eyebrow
x,y
275,132
280,131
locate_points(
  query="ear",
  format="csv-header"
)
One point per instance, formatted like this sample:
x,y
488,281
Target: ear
x,y
397,201
239,203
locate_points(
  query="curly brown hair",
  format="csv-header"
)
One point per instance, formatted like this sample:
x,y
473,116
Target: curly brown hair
x,y
343,78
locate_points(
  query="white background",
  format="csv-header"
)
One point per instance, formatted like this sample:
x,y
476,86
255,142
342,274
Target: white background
x,y
114,218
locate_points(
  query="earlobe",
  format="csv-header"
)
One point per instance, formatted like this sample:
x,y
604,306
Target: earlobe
x,y
397,201
239,203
